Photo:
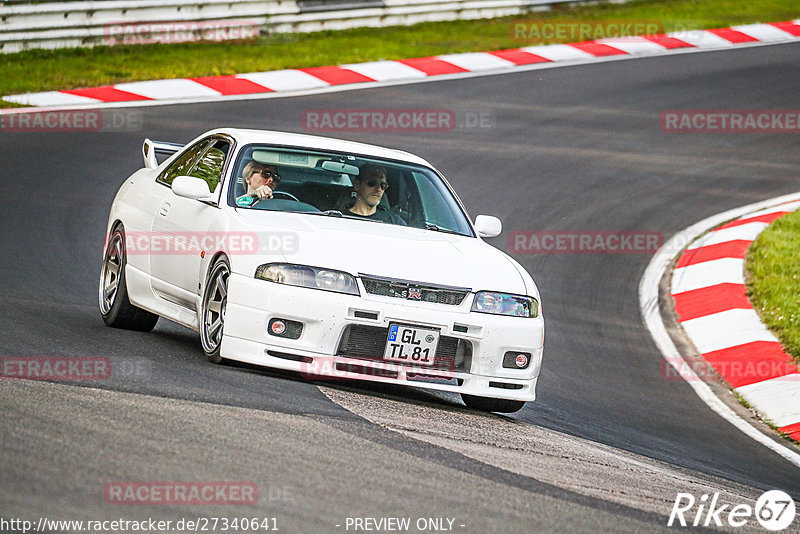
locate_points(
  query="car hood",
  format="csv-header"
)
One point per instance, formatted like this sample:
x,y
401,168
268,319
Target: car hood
x,y
373,248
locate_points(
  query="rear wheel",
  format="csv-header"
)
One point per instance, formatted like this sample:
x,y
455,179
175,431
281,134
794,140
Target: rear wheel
x,y
215,300
115,307
488,404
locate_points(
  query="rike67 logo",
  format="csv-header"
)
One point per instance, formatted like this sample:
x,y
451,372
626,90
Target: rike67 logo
x,y
774,510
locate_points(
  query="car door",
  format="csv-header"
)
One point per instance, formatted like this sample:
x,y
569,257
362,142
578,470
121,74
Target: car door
x,y
181,225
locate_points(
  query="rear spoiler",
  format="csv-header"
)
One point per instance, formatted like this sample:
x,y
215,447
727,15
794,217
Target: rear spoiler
x,y
151,149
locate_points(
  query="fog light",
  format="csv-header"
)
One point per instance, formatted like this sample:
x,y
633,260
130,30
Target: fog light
x,y
516,360
284,328
278,327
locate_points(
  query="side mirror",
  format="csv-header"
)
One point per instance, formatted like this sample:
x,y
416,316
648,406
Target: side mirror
x,y
191,187
488,226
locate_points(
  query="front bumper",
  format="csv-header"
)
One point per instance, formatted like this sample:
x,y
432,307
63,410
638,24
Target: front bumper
x,y
474,365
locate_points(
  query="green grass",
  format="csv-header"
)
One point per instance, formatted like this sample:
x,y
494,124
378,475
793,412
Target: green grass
x,y
773,281
44,70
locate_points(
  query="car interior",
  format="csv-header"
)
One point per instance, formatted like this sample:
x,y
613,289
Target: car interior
x,y
319,189
321,182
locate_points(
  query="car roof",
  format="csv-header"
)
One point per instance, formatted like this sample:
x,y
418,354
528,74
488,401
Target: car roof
x,y
245,136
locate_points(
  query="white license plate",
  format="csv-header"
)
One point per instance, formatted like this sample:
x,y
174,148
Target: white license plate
x,y
411,344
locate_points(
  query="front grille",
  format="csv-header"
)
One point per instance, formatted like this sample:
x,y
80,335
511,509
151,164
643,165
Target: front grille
x,y
415,292
369,342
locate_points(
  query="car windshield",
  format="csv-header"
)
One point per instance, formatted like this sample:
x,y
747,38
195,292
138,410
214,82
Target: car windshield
x,y
342,185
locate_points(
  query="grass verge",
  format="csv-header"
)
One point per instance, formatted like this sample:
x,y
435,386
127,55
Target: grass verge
x,y
773,282
48,70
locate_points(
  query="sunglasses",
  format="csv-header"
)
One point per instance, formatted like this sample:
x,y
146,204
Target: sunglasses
x,y
266,174
373,182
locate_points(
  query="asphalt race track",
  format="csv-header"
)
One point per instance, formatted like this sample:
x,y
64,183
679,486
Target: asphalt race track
x,y
607,446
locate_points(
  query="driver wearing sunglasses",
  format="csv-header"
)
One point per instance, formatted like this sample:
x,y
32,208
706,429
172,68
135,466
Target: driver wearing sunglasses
x,y
261,180
370,185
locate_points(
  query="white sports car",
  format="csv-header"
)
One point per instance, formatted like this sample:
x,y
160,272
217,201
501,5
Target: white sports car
x,y
326,257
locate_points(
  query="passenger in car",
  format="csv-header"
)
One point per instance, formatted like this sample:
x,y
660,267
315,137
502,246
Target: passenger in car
x,y
261,180
369,186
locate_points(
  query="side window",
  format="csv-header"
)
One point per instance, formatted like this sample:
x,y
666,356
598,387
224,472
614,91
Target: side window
x,y
209,166
181,166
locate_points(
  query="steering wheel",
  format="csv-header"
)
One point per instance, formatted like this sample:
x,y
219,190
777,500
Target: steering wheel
x,y
285,194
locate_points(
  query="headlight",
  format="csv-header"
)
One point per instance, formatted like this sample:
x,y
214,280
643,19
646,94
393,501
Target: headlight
x,y
505,304
305,276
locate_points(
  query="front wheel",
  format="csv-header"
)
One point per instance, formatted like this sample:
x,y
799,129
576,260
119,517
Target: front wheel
x,y
488,404
215,300
115,307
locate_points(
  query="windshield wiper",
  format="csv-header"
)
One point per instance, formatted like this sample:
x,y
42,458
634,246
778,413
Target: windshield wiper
x,y
437,228
329,213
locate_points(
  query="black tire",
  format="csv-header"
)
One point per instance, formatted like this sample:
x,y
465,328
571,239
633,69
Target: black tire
x,y
487,404
212,311
115,307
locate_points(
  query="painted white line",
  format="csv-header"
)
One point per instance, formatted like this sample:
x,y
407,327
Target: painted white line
x,y
558,52
707,274
778,399
726,329
477,61
651,314
743,232
789,206
776,209
284,80
766,33
50,98
384,71
168,88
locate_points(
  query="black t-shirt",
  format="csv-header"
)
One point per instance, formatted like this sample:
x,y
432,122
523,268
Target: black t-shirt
x,y
381,214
